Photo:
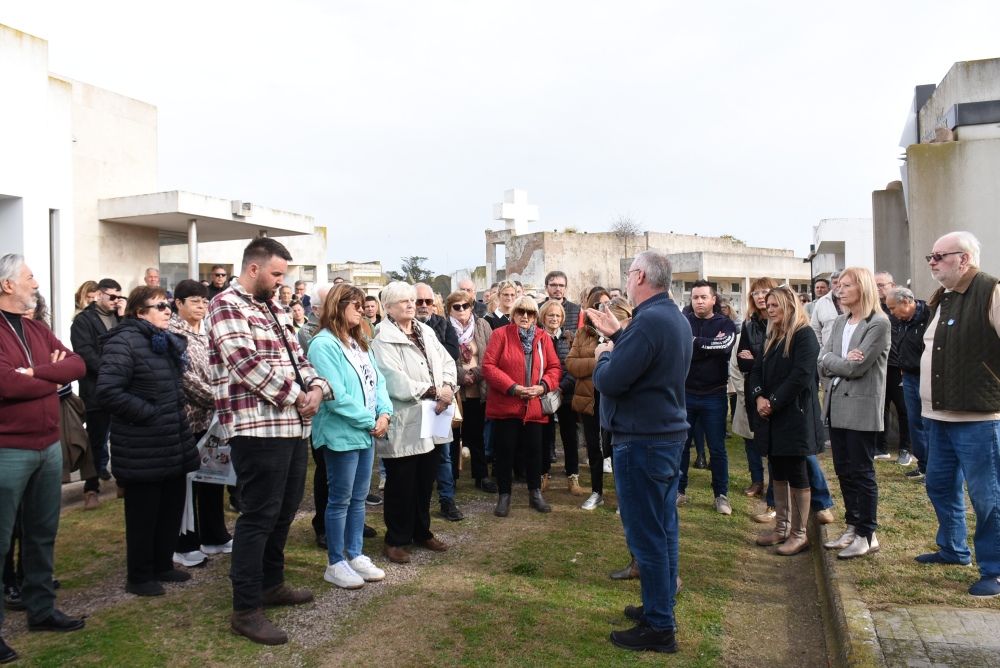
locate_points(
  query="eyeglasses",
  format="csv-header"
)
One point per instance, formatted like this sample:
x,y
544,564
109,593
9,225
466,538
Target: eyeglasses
x,y
520,311
461,307
557,285
162,307
759,293
112,297
352,302
424,302
937,257
222,274
508,295
195,301
885,285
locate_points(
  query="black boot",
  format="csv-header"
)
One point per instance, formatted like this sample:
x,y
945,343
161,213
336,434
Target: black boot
x,y
503,506
644,638
700,462
536,501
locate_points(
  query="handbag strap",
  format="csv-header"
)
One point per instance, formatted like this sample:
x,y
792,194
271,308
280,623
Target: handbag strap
x,y
284,339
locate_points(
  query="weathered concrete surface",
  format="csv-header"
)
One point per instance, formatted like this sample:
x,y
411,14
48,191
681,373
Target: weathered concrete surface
x,y
938,636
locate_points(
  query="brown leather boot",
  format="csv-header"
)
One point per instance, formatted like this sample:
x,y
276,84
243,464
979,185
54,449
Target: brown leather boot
x,y
798,538
781,502
91,500
284,595
754,489
253,624
630,572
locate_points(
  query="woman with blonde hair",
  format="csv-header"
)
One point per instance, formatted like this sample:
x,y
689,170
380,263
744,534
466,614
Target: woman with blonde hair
x,y
85,295
854,358
751,346
506,294
552,318
783,386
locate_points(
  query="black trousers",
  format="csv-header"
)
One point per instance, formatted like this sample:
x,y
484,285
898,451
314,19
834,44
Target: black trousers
x,y
570,440
472,436
791,470
853,460
153,512
98,424
321,491
595,452
272,475
508,434
894,397
409,482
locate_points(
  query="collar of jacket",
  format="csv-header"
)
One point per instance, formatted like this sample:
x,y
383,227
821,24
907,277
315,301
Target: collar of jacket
x,y
389,332
659,298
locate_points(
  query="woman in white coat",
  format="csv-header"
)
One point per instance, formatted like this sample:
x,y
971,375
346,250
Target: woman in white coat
x,y
417,368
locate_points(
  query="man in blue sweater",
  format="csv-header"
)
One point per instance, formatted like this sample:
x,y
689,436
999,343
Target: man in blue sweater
x,y
714,336
640,374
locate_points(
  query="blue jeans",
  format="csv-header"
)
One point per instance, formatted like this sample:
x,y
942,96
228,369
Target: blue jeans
x,y
969,451
445,476
820,499
646,477
349,475
712,410
754,461
918,430
32,480
488,438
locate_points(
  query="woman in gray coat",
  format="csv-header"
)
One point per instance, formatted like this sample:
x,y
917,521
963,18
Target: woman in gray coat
x,y
854,358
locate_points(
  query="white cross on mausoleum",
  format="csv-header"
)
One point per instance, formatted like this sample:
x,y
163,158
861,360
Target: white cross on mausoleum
x,y
515,211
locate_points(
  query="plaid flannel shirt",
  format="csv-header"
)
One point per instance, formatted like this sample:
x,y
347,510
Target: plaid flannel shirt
x,y
253,379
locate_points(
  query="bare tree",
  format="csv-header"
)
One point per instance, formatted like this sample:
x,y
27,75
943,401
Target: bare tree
x,y
625,227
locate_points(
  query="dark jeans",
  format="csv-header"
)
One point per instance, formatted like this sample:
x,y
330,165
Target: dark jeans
x,y
894,396
853,460
209,518
755,463
595,450
98,427
570,440
409,482
508,434
321,491
153,513
711,410
272,475
472,434
918,430
32,479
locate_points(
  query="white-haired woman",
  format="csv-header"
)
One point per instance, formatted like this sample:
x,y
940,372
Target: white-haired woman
x,y
417,368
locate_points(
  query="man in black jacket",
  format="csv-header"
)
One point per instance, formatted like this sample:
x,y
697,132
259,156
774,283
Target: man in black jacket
x,y
88,326
912,315
219,282
893,382
449,339
555,285
705,389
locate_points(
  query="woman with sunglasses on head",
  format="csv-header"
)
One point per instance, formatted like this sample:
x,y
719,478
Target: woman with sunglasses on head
x,y
473,337
152,448
506,296
210,535
553,318
854,358
586,402
521,366
783,386
345,430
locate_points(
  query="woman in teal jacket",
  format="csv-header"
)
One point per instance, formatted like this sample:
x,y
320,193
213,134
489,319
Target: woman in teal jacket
x,y
346,428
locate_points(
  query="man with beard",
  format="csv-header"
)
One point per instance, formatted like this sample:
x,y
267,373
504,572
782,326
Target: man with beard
x,y
266,393
33,365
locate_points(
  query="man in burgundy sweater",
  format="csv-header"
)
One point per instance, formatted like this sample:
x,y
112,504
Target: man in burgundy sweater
x,y
33,364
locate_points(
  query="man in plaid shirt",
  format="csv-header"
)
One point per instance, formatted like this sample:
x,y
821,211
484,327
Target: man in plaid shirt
x,y
266,393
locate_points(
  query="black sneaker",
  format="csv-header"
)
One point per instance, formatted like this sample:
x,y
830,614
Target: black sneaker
x,y
321,541
642,638
7,655
373,500
367,532
915,475
487,485
635,612
151,588
450,511
12,599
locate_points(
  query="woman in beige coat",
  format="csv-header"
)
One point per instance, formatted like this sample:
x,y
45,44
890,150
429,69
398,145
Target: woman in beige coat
x,y
417,369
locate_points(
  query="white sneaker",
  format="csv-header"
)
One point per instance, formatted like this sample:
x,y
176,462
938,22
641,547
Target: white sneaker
x,y
466,453
593,501
607,465
190,559
225,548
381,483
342,575
883,456
364,567
722,505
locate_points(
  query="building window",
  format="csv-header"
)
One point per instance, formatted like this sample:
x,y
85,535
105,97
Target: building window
x,y
735,287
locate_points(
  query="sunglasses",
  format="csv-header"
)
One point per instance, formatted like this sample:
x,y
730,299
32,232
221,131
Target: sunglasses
x,y
424,302
520,311
162,307
223,275
937,257
461,307
352,302
112,297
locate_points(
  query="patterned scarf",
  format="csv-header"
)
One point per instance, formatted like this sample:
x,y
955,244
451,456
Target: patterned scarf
x,y
527,338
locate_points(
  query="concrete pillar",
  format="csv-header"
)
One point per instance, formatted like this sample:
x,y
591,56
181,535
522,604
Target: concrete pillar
x,y
892,234
193,249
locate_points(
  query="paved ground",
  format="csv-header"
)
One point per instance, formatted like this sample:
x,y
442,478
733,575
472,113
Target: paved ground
x,y
934,636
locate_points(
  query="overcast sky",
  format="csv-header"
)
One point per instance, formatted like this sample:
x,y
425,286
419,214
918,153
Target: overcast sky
x,y
397,125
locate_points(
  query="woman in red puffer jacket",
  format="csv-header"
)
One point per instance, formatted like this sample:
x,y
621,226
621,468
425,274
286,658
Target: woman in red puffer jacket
x,y
521,366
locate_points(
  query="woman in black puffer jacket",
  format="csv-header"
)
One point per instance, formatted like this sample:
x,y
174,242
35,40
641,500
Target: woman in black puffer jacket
x,y
152,448
552,317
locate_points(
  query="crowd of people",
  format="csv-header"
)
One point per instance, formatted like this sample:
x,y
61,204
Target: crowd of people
x,y
409,382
